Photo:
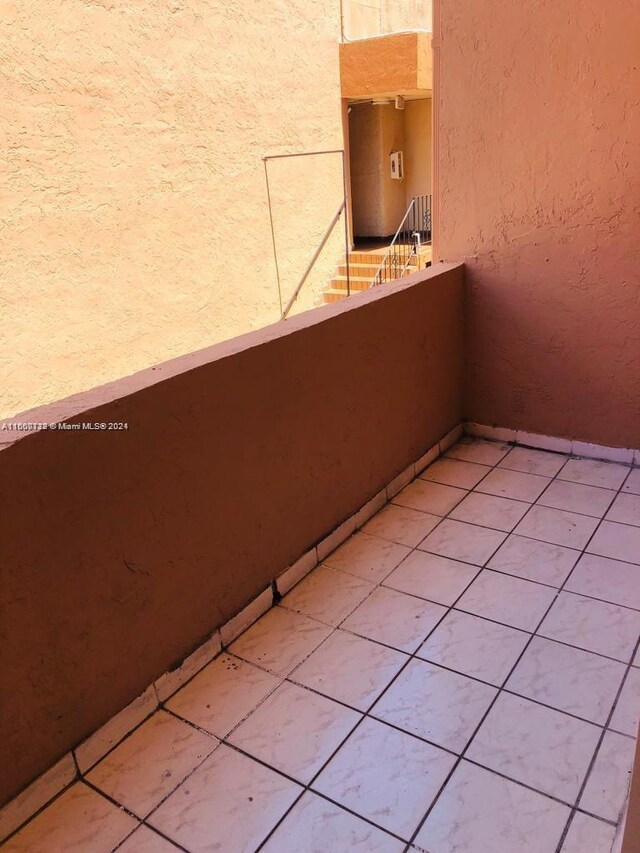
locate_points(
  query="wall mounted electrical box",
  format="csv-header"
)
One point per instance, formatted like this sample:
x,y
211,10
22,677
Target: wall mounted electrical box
x,y
396,163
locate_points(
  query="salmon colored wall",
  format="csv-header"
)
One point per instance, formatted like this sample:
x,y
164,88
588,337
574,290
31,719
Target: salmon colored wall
x,y
539,170
237,459
135,217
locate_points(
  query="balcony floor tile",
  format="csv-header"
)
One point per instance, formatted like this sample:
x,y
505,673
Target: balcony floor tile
x,y
401,524
462,674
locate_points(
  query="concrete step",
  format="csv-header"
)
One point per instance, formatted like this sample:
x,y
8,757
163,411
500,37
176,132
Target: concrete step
x,y
333,295
364,257
362,270
355,282
354,279
358,269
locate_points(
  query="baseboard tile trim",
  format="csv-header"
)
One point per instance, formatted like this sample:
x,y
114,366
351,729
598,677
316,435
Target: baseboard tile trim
x,y
586,450
86,755
35,796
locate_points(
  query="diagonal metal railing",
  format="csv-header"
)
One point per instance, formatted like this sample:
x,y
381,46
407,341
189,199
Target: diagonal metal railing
x,y
314,258
413,232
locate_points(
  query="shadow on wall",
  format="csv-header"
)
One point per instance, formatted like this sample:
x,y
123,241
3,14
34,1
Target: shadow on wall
x,y
238,458
540,355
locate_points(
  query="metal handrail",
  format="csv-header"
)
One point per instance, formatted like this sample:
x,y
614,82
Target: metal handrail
x,y
314,258
387,254
406,242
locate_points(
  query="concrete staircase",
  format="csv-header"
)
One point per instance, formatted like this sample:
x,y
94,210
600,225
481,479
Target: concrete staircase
x,y
363,265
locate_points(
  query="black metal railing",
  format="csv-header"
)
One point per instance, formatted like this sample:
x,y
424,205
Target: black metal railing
x,y
421,218
405,250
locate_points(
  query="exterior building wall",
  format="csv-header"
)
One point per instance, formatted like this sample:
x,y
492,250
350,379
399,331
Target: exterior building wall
x,y
367,18
365,152
539,195
417,148
399,64
375,130
135,216
392,138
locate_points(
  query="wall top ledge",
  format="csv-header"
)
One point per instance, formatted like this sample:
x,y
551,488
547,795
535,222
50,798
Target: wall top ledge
x,y
78,404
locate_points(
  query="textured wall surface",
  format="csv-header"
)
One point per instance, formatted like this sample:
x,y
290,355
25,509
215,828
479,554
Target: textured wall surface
x,y
417,148
375,130
397,64
539,171
392,138
238,459
365,152
134,218
366,18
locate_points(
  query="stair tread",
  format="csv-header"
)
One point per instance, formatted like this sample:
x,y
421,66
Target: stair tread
x,y
340,277
343,276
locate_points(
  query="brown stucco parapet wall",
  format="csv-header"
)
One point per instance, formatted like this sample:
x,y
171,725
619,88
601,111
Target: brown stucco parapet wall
x,y
538,168
121,551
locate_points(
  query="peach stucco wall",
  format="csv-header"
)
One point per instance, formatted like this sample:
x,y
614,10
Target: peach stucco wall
x,y
539,168
375,130
366,18
135,222
417,148
394,65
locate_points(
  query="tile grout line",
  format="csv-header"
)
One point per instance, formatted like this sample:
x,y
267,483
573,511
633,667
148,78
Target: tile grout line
x,y
80,776
507,532
471,739
594,757
629,664
304,786
365,715
412,656
611,712
141,821
440,665
613,706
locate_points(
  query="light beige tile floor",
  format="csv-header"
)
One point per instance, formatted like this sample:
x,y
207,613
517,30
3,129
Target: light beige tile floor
x,y
461,676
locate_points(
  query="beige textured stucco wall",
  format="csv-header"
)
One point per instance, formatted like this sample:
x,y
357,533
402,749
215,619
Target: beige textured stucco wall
x,y
417,148
392,138
365,18
135,222
375,130
384,67
539,170
365,153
